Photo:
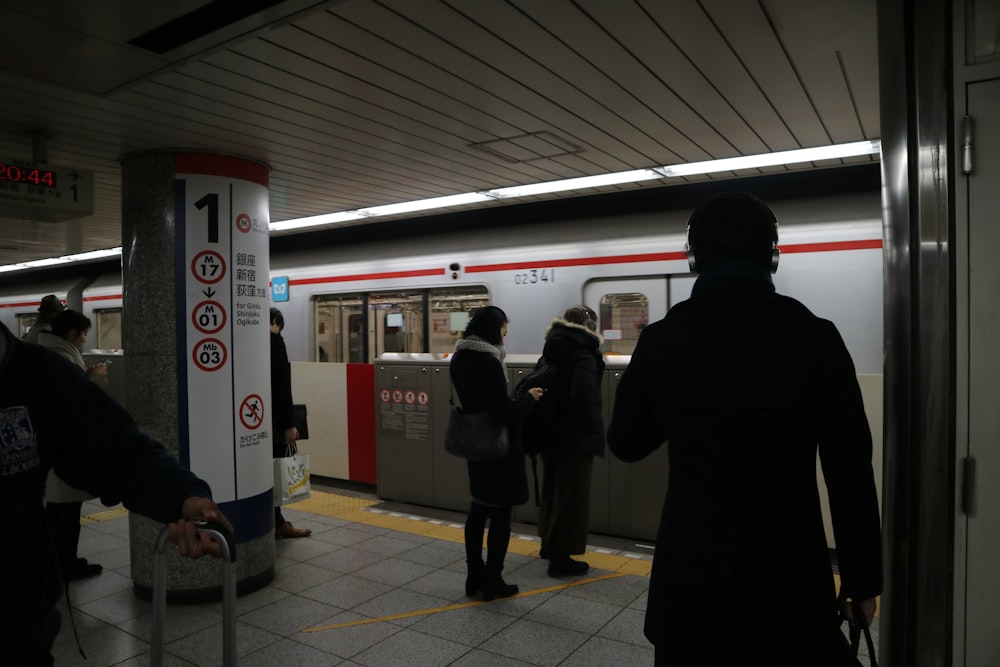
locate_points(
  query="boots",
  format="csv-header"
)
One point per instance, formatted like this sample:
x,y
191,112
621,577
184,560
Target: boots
x,y
474,581
493,584
561,565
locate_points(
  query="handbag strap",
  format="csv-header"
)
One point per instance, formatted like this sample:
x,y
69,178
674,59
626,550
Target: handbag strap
x,y
291,449
454,397
856,626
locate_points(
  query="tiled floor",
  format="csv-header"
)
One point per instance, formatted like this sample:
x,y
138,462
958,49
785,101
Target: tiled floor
x,y
376,584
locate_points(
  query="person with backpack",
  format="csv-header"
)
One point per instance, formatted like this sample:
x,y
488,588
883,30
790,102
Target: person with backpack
x,y
567,430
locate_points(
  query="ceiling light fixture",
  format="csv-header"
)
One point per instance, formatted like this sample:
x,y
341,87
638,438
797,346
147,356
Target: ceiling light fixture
x,y
836,151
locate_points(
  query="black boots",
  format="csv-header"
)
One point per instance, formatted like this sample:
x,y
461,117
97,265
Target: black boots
x,y
474,581
561,565
493,584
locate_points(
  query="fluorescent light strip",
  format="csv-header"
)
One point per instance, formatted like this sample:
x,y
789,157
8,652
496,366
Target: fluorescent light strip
x,y
600,180
773,159
835,151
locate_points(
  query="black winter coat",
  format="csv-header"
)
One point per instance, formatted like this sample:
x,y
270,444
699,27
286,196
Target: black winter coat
x,y
282,412
481,384
52,416
575,410
745,385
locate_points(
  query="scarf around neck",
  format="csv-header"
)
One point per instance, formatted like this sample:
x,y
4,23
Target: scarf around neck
x,y
477,344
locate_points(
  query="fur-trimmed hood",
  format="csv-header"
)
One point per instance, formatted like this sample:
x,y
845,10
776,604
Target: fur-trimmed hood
x,y
558,322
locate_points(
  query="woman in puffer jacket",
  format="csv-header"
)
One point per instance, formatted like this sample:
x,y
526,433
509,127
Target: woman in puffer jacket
x,y
574,428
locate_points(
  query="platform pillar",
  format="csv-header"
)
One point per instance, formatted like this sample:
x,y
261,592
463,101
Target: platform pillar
x,y
195,276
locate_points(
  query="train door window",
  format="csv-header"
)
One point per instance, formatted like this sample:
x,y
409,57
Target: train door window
x,y
340,328
109,328
625,306
396,322
450,309
622,317
24,323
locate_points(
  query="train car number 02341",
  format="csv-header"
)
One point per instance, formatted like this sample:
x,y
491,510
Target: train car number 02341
x,y
535,277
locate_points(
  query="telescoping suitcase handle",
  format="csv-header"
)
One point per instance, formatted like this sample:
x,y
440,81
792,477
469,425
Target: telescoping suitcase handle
x,y
218,533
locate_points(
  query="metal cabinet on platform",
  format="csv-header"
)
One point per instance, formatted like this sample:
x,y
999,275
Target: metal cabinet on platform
x,y
413,467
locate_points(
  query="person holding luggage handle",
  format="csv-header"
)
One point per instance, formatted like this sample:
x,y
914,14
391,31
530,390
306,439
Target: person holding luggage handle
x,y
52,416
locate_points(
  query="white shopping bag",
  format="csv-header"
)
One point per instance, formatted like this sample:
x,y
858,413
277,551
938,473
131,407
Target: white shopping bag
x,y
291,479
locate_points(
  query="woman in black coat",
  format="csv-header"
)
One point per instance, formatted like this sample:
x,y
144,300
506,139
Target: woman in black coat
x,y
479,376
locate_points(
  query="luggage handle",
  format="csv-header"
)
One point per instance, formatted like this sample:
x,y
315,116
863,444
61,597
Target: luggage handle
x,y
224,538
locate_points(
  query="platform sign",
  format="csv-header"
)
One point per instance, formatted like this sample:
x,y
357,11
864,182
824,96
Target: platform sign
x,y
45,192
223,203
279,289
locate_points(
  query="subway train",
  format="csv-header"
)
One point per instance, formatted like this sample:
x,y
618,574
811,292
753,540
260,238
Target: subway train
x,y
349,308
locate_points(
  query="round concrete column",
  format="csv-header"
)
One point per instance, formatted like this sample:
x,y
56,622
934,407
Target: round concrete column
x,y
196,338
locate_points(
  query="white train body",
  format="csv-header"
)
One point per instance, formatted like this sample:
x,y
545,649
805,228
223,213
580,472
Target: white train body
x,y
831,261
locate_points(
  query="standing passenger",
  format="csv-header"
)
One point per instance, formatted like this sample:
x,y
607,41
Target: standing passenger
x,y
66,337
48,308
282,415
574,427
51,416
479,376
744,384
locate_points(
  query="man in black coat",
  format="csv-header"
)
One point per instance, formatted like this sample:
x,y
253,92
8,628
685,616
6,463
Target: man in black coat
x,y
744,385
284,432
53,417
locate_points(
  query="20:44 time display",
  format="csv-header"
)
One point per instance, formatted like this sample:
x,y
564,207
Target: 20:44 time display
x,y
13,173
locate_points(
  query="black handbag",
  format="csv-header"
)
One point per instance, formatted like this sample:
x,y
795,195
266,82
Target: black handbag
x,y
475,436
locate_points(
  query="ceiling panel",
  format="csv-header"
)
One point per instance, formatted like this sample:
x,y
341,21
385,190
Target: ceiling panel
x,y
357,103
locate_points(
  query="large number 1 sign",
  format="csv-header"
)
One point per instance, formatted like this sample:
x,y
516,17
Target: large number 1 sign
x,y
223,330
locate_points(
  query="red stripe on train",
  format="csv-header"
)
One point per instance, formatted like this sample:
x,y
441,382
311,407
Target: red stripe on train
x,y
579,261
664,256
368,276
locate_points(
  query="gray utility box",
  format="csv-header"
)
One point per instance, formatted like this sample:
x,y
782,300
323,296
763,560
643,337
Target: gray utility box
x,y
412,392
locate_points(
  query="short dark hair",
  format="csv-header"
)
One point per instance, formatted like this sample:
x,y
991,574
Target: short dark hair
x,y
69,320
732,226
486,323
277,318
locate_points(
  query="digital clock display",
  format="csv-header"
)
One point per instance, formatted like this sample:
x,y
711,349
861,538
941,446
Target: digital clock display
x,y
14,173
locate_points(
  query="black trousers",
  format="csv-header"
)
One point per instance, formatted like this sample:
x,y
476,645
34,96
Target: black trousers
x,y
64,525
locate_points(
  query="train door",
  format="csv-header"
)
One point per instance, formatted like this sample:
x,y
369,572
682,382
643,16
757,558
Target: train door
x,y
625,306
632,492
340,328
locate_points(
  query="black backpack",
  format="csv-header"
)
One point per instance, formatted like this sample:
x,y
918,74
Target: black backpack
x,y
539,431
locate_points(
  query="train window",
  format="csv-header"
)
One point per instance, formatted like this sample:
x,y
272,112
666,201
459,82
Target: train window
x,y
396,322
622,318
24,323
450,309
109,328
359,327
340,328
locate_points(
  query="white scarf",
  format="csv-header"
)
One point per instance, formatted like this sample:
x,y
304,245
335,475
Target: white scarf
x,y
477,344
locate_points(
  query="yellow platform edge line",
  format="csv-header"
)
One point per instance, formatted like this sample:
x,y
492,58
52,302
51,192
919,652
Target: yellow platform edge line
x,y
462,605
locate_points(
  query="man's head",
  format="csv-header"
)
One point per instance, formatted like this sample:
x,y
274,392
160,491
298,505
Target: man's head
x,y
49,307
277,321
732,227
